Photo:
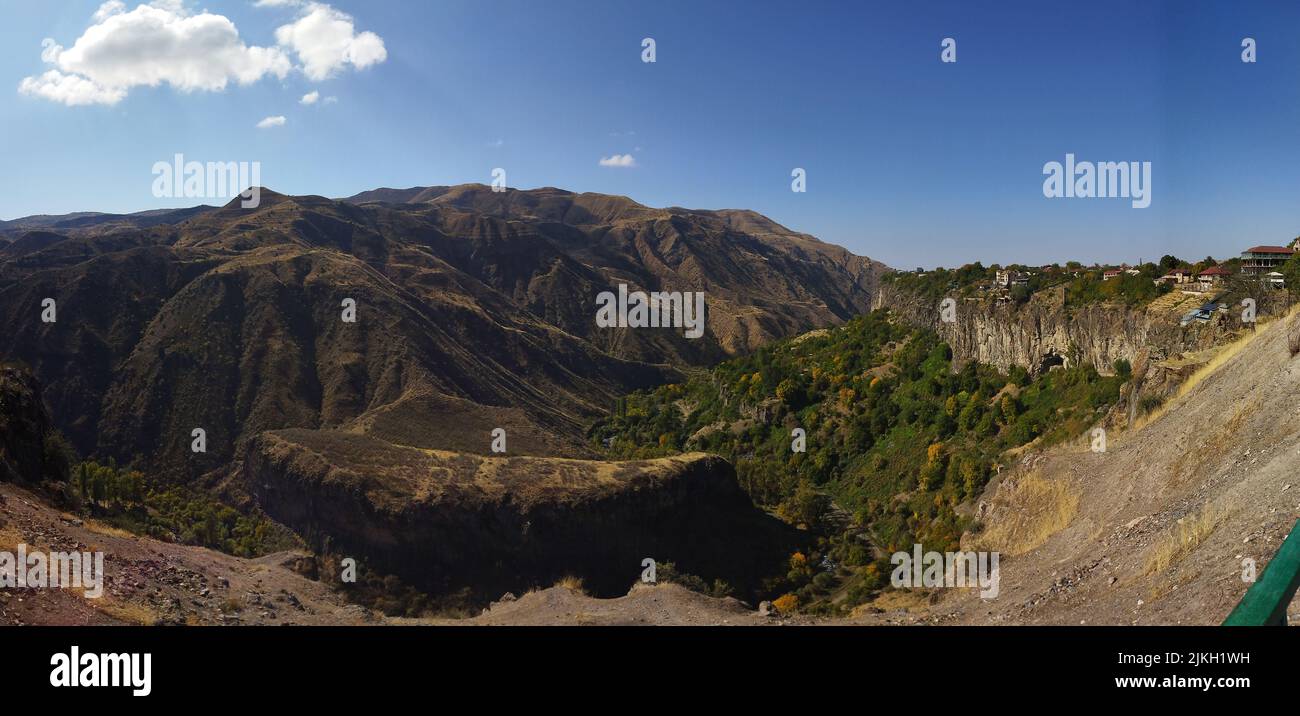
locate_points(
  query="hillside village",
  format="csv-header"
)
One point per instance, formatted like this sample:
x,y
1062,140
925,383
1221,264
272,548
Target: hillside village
x,y
1265,266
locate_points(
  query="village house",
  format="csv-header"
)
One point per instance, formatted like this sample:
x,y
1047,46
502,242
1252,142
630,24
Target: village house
x,y
1213,275
1260,260
1005,278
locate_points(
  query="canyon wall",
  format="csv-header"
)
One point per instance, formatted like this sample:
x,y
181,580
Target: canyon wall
x,y
443,521
1044,332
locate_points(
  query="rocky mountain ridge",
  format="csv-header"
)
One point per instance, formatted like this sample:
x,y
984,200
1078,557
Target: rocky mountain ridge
x,y
474,309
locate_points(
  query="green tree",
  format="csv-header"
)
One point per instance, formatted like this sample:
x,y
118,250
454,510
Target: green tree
x,y
1291,274
807,506
1123,368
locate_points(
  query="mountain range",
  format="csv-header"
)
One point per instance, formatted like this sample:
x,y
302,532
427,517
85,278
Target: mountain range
x,y
474,311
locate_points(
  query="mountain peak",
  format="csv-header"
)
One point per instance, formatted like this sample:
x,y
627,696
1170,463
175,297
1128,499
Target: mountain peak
x,y
266,197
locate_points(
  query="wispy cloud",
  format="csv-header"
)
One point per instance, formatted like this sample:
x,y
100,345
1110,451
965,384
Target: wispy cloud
x,y
269,122
618,160
69,89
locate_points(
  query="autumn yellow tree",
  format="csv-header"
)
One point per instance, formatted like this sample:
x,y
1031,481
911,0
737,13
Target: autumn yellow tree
x,y
933,469
786,603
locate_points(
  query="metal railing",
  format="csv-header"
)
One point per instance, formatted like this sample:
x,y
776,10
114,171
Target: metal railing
x,y
1266,602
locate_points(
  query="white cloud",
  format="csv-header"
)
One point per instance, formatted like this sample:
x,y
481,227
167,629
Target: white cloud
x,y
153,44
277,3
270,122
69,89
326,40
163,42
314,97
618,160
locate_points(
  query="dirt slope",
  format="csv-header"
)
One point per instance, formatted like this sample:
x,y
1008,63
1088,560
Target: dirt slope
x,y
644,605
151,582
1155,529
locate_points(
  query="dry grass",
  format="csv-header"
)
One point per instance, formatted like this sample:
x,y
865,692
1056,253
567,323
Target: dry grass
x,y
1161,589
1036,509
889,600
108,530
1293,336
1212,365
128,612
1185,536
10,538
572,583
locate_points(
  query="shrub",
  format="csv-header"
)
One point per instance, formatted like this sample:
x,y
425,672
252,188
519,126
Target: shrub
x,y
1123,368
786,603
806,506
668,572
572,583
59,457
1148,404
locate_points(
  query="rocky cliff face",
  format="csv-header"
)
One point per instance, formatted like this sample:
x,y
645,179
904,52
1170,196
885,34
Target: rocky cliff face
x,y
443,520
24,428
1044,332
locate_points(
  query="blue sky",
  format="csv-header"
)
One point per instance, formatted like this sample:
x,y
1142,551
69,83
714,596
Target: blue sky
x,y
909,160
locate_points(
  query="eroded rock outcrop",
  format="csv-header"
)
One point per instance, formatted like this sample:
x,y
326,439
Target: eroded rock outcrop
x,y
1044,332
442,520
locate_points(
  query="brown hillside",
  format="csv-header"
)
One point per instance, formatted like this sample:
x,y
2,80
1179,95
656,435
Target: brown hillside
x,y
475,310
